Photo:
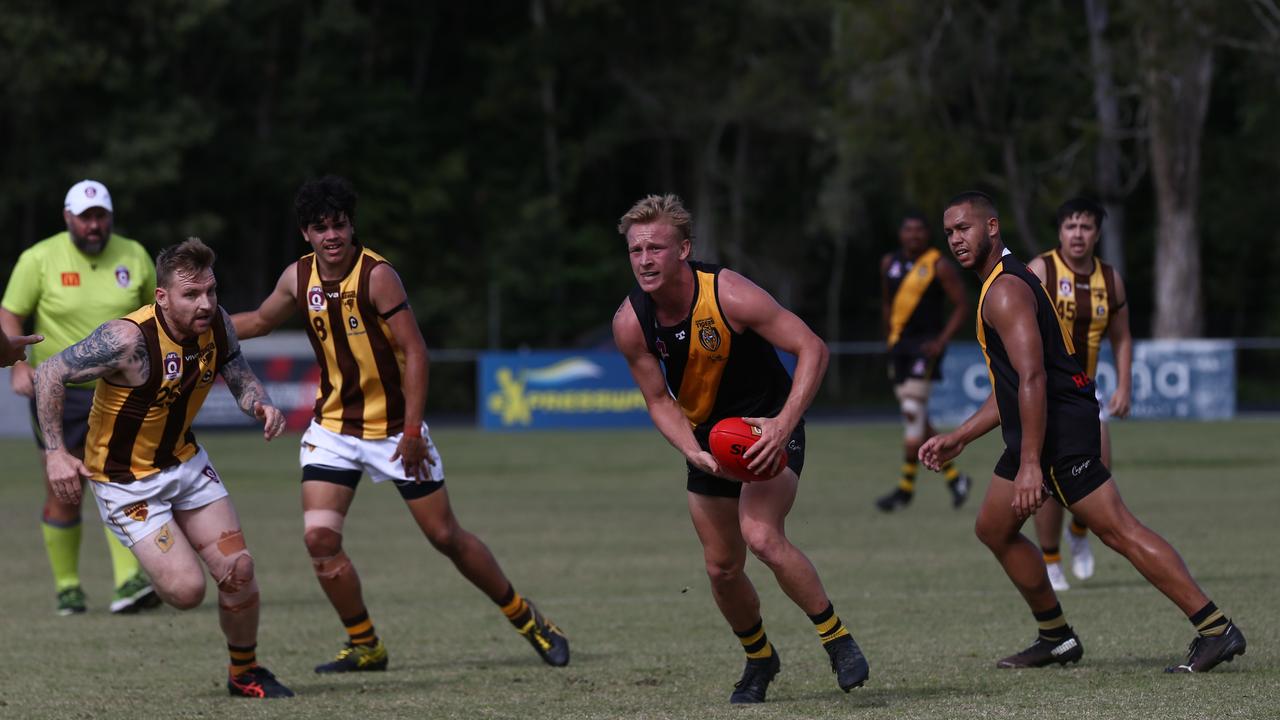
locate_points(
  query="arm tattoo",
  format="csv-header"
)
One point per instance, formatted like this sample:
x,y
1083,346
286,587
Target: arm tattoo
x,y
241,381
105,351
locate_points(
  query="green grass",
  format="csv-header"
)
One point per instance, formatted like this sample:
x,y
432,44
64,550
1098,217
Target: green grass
x,y
594,527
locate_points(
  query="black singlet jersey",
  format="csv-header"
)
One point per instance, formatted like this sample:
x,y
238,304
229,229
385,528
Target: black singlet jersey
x,y
916,314
712,371
1071,409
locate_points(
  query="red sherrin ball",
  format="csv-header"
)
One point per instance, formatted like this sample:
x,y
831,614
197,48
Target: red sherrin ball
x,y
729,441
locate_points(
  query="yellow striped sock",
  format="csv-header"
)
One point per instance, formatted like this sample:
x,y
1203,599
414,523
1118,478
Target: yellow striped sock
x,y
755,642
243,659
829,625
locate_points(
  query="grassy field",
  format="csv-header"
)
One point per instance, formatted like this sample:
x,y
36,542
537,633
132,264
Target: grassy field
x,y
594,527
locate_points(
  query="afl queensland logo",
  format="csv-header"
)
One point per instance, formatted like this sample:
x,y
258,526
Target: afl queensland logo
x,y
708,335
172,366
122,276
1064,288
315,298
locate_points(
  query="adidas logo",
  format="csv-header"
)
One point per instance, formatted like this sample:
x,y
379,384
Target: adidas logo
x,y
1064,647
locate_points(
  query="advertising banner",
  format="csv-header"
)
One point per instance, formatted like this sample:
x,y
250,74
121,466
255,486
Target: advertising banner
x,y
1191,379
541,390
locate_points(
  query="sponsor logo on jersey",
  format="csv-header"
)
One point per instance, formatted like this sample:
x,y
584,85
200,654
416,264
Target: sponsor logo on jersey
x,y
680,334
70,279
1064,287
172,366
708,335
122,276
210,473
662,349
136,512
315,298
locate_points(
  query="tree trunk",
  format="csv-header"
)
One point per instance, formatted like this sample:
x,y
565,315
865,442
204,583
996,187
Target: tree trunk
x,y
1019,190
1107,156
1179,75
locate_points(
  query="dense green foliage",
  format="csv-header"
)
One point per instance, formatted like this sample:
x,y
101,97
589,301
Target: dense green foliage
x,y
495,144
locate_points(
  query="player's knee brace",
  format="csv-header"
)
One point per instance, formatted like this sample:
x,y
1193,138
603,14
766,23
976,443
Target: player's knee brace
x,y
914,418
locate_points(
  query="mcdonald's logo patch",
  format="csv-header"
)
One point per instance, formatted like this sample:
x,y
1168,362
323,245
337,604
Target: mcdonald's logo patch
x,y
70,279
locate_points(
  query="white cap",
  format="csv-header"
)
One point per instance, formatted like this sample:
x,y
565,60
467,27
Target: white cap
x,y
87,194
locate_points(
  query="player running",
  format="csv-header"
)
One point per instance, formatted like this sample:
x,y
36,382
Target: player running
x,y
368,418
1046,408
156,488
1090,298
700,340
916,282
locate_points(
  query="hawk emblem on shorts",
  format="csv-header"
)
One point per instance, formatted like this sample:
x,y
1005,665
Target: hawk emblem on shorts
x,y
136,512
708,335
315,298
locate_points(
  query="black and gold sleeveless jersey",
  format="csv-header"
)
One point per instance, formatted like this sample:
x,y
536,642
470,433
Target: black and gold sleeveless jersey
x,y
361,365
139,431
1071,410
1085,302
916,314
712,371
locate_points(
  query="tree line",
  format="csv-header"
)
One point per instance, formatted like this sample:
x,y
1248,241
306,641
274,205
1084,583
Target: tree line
x,y
494,145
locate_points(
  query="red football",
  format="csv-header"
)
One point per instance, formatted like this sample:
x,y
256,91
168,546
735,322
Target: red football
x,y
729,441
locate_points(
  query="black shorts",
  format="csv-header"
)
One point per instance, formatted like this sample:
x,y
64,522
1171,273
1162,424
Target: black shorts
x,y
409,490
703,483
904,366
75,418
1067,479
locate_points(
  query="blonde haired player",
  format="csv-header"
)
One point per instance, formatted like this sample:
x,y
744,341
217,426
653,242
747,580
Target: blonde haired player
x,y
155,487
1089,296
368,418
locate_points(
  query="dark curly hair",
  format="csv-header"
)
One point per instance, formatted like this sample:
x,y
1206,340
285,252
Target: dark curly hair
x,y
325,197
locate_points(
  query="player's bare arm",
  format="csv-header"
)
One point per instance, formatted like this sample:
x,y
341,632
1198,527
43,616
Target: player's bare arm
x,y
392,303
13,348
746,305
247,389
1122,348
949,278
22,377
1010,309
273,311
116,351
939,449
666,414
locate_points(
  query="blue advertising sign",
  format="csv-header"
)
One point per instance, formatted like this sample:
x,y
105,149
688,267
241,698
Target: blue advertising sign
x,y
536,390
1192,379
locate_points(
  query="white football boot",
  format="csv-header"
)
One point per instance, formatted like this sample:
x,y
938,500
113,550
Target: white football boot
x,y
1081,555
1056,578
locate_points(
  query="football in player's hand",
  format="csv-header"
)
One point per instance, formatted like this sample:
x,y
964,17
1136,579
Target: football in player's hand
x,y
729,441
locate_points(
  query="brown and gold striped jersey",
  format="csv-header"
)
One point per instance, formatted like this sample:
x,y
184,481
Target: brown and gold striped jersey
x,y
1085,303
135,432
361,365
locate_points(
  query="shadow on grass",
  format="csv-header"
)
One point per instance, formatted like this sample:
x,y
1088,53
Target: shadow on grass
x,y
885,697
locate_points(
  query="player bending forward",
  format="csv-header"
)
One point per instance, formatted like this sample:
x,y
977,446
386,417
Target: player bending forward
x,y
155,487
368,418
700,343
1047,411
